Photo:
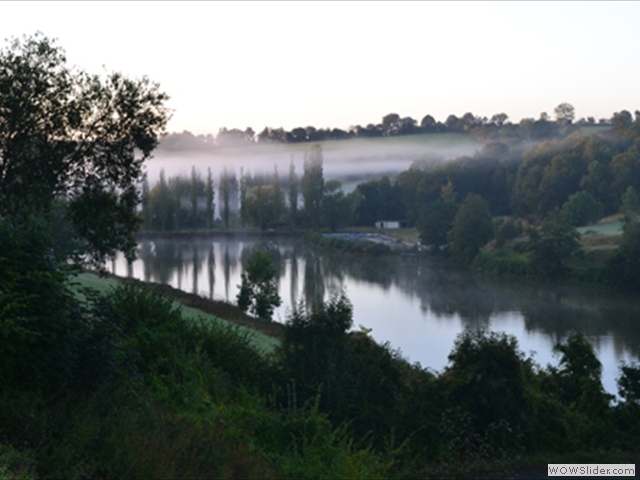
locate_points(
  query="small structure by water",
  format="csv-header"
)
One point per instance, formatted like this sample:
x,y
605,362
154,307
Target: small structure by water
x,y
389,224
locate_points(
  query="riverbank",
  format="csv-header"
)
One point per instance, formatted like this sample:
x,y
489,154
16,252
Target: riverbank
x,y
265,335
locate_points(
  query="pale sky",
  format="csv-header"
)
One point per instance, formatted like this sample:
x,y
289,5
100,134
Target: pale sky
x,y
336,64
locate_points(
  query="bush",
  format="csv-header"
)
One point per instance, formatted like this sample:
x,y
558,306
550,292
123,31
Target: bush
x,y
487,378
41,322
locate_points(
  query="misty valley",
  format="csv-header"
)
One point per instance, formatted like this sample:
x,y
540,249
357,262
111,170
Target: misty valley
x,y
404,299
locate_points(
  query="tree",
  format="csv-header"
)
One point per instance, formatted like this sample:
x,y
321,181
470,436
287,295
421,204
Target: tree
x,y
146,212
313,185
565,113
209,194
225,195
162,205
553,245
623,268
258,291
263,206
578,381
499,118
428,123
243,196
293,193
472,229
193,196
630,202
582,209
336,206
436,220
66,133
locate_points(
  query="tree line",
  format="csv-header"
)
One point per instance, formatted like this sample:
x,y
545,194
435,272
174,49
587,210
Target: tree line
x,y
496,128
262,201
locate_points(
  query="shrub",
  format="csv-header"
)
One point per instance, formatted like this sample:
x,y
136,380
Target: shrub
x,y
487,378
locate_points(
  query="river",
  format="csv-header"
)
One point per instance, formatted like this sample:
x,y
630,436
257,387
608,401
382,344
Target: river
x,y
416,305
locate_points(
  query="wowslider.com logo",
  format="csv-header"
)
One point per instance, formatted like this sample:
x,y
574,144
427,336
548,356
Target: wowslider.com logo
x,y
591,470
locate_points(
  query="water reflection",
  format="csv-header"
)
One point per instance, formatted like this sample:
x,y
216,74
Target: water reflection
x,y
417,305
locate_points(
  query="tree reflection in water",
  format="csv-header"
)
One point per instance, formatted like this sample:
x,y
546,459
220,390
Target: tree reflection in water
x,y
445,297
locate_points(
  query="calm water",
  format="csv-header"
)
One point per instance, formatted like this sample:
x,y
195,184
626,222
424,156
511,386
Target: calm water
x,y
417,306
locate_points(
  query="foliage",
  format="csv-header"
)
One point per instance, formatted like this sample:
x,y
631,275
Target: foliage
x,y
40,329
553,245
487,378
66,133
436,221
630,202
337,208
582,209
472,228
578,380
380,200
623,268
264,206
629,382
259,291
312,185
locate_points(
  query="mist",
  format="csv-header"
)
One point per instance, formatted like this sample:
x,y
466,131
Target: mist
x,y
351,161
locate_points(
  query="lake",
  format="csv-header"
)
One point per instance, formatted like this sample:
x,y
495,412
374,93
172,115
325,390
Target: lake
x,y
415,304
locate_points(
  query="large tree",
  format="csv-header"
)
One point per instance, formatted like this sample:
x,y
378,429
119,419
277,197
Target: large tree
x,y
472,229
68,134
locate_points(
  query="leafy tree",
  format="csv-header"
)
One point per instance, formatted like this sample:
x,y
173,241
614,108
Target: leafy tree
x,y
499,119
487,377
582,208
623,268
553,245
565,113
630,202
436,221
259,291
336,206
578,381
472,229
264,206
312,184
629,382
428,123
66,133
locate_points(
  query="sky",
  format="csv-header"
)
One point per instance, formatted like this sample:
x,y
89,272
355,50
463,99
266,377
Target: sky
x,y
338,64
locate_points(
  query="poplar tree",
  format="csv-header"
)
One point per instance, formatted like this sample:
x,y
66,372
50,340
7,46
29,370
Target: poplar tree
x,y
293,193
313,185
209,199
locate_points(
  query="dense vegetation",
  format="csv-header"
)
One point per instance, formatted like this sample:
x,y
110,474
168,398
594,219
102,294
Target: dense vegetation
x,y
121,385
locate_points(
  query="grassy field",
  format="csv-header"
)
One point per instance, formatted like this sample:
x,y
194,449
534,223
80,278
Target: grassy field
x,y
608,228
261,341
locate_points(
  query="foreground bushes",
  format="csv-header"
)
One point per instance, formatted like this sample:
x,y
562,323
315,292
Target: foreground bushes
x,y
141,392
